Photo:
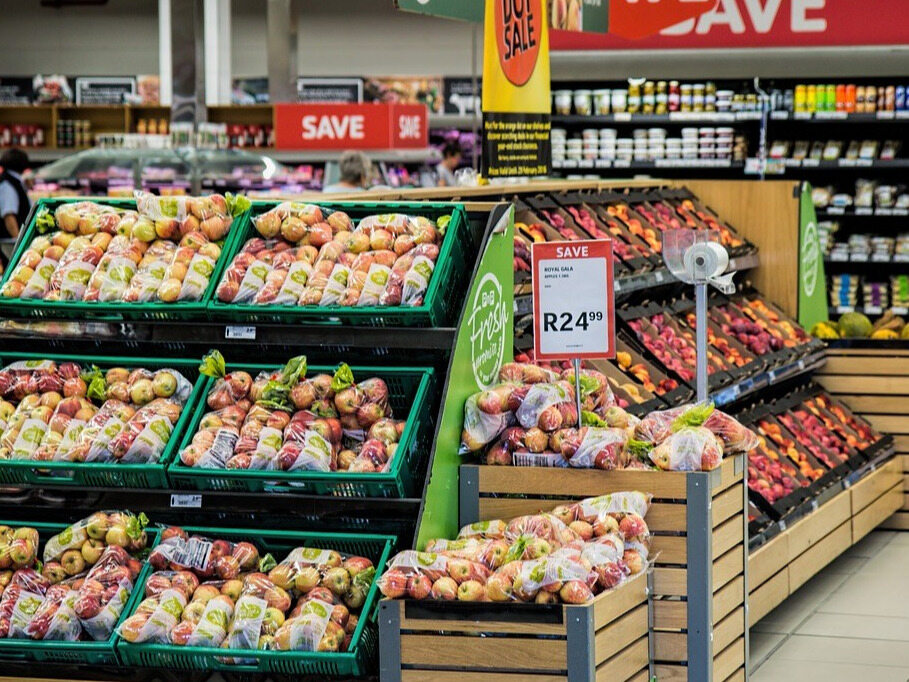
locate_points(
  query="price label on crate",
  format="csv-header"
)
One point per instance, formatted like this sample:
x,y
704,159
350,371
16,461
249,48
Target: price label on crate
x,y
188,501
233,331
573,300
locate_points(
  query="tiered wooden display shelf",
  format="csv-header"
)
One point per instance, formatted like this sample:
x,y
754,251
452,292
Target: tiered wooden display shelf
x,y
699,577
465,642
874,382
784,563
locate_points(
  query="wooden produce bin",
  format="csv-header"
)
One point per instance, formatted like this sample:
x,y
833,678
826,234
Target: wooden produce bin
x,y
787,561
874,383
699,573
430,641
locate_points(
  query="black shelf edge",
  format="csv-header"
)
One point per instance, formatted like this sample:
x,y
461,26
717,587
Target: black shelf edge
x,y
662,164
866,310
680,117
751,385
861,212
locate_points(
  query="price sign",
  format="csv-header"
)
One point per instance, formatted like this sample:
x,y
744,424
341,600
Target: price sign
x,y
573,300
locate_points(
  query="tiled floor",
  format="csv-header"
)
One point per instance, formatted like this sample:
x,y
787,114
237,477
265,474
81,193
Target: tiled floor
x,y
849,622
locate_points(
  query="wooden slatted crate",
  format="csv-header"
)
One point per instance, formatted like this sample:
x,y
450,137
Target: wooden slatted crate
x,y
605,639
874,383
698,522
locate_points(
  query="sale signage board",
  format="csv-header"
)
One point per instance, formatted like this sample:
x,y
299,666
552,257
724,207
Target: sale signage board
x,y
573,300
567,15
516,100
351,126
744,24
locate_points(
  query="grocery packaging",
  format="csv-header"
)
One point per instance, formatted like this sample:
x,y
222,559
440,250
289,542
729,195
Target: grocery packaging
x,y
567,556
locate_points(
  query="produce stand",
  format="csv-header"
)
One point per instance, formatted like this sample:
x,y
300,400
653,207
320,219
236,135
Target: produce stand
x,y
699,575
605,638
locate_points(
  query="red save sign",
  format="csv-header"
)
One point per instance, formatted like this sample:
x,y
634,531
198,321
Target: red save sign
x,y
636,19
350,126
573,300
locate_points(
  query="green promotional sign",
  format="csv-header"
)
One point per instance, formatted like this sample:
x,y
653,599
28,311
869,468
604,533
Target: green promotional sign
x,y
484,343
812,282
591,16
465,10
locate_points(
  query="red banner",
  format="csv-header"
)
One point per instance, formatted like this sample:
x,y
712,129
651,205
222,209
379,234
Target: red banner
x,y
754,23
351,126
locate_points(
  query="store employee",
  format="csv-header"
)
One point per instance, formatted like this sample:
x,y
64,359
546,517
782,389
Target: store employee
x,y
14,202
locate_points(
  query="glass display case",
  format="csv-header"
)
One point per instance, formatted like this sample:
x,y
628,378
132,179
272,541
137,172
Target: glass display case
x,y
170,171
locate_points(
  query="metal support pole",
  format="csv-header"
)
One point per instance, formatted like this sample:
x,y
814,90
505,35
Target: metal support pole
x,y
576,363
390,641
700,303
281,26
700,577
187,61
745,573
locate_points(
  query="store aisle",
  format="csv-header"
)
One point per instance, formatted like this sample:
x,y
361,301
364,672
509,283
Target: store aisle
x,y
850,622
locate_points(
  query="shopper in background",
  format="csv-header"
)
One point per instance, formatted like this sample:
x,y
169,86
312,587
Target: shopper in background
x,y
14,202
356,171
451,159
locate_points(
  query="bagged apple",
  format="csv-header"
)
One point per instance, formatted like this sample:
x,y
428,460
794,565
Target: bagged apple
x,y
310,452
203,556
490,530
692,448
151,271
20,601
210,629
424,257
489,552
605,555
593,509
311,630
229,389
592,447
146,434
290,219
70,279
26,429
545,526
24,377
185,582
55,619
174,217
65,428
154,618
658,426
548,406
104,593
18,547
295,279
86,217
119,528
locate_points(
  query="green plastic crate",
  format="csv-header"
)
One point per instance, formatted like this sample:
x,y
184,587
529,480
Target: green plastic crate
x,y
438,303
74,653
354,662
409,392
110,310
104,474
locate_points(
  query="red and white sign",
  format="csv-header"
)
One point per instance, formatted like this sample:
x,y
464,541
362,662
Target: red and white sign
x,y
749,23
573,300
351,126
637,19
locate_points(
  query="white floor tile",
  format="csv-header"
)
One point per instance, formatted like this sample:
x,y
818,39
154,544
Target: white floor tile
x,y
805,601
781,670
848,650
762,645
872,543
869,595
856,626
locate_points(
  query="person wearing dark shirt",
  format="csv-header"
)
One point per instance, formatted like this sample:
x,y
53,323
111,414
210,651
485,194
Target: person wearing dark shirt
x,y
14,201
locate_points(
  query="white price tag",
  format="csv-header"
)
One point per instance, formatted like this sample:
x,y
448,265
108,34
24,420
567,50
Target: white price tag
x,y
182,501
233,331
574,300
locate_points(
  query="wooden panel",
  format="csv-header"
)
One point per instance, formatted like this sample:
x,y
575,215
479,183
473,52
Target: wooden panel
x,y
818,524
452,650
864,366
671,673
616,636
737,676
822,553
858,385
767,214
728,599
667,518
670,582
901,443
889,423
879,404
875,484
768,596
626,664
905,506
728,535
461,676
672,549
726,475
877,512
673,615
580,482
670,646
731,659
725,505
643,676
610,605
768,560
728,566
731,627
497,626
